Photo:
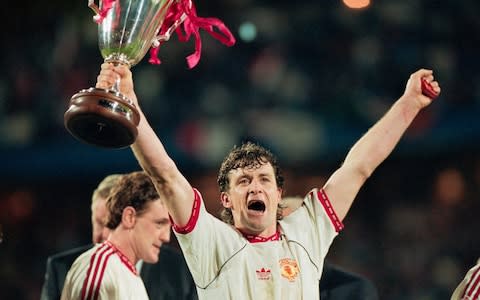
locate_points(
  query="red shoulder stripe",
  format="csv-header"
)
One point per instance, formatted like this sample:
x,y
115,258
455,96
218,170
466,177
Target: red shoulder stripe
x,y
102,271
99,257
322,196
197,201
472,291
92,259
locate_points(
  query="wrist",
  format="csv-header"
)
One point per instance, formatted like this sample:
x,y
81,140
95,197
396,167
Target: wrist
x,y
410,103
408,107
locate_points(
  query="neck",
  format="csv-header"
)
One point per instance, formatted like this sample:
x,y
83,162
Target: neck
x,y
122,257
121,241
265,236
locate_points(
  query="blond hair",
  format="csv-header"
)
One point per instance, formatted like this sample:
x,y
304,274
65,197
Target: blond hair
x,y
104,187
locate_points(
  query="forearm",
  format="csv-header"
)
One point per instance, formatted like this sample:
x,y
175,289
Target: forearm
x,y
172,186
380,140
150,152
367,154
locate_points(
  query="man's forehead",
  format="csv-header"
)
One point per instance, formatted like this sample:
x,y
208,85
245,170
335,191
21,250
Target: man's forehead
x,y
263,168
156,208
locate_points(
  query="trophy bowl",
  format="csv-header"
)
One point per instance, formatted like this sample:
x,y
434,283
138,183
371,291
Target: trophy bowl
x,y
126,30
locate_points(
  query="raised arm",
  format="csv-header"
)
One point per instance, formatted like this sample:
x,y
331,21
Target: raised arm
x,y
171,185
379,141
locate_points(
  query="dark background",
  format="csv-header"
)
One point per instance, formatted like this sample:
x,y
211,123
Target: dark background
x,y
314,78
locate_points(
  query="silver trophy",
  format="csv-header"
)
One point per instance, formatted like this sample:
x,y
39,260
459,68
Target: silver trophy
x,y
126,31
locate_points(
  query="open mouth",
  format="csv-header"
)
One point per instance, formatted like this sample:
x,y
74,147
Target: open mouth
x,y
256,205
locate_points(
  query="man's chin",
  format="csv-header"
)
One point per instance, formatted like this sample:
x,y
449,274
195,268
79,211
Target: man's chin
x,y
256,228
151,260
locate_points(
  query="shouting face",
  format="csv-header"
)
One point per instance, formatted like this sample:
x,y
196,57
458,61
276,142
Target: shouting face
x,y
253,197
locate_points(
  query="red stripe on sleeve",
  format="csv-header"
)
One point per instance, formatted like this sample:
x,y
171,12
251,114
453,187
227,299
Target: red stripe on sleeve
x,y
322,196
95,272
89,286
197,201
97,290
89,270
473,286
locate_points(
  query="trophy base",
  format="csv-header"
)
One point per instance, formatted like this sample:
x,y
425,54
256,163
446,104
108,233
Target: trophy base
x,y
103,118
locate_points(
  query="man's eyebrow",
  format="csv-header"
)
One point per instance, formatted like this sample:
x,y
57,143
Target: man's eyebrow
x,y
266,174
163,221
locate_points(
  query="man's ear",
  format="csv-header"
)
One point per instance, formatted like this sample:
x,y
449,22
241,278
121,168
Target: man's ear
x,y
280,191
225,200
128,217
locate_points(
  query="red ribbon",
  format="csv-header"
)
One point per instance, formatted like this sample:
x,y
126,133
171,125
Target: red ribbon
x,y
191,26
106,5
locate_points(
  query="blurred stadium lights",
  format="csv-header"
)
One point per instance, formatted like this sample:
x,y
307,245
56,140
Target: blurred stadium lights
x,y
247,31
317,68
356,4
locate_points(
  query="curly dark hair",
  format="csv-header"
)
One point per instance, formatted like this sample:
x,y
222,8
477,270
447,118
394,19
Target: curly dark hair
x,y
135,189
247,155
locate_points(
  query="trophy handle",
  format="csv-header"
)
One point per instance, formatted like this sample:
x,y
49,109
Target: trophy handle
x,y
95,8
100,13
166,36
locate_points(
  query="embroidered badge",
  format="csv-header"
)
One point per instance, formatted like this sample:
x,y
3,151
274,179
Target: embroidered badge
x,y
263,274
289,268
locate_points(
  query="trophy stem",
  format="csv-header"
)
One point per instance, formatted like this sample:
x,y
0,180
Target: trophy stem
x,y
118,59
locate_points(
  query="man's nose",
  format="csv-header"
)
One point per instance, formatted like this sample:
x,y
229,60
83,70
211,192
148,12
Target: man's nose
x,y
254,187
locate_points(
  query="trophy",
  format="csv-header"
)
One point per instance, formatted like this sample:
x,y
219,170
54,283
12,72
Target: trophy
x,y
127,29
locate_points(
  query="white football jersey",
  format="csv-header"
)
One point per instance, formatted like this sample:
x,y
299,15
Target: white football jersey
x,y
469,288
228,265
103,272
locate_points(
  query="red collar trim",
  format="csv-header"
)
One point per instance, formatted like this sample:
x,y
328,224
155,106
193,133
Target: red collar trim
x,y
123,258
260,239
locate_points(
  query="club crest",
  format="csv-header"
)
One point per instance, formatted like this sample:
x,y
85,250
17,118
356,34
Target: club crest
x,y
289,268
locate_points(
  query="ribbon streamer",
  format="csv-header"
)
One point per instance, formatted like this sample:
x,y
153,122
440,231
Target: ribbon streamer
x,y
106,5
191,26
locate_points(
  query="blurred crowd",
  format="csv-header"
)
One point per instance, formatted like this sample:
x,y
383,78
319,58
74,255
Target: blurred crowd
x,y
412,230
305,79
